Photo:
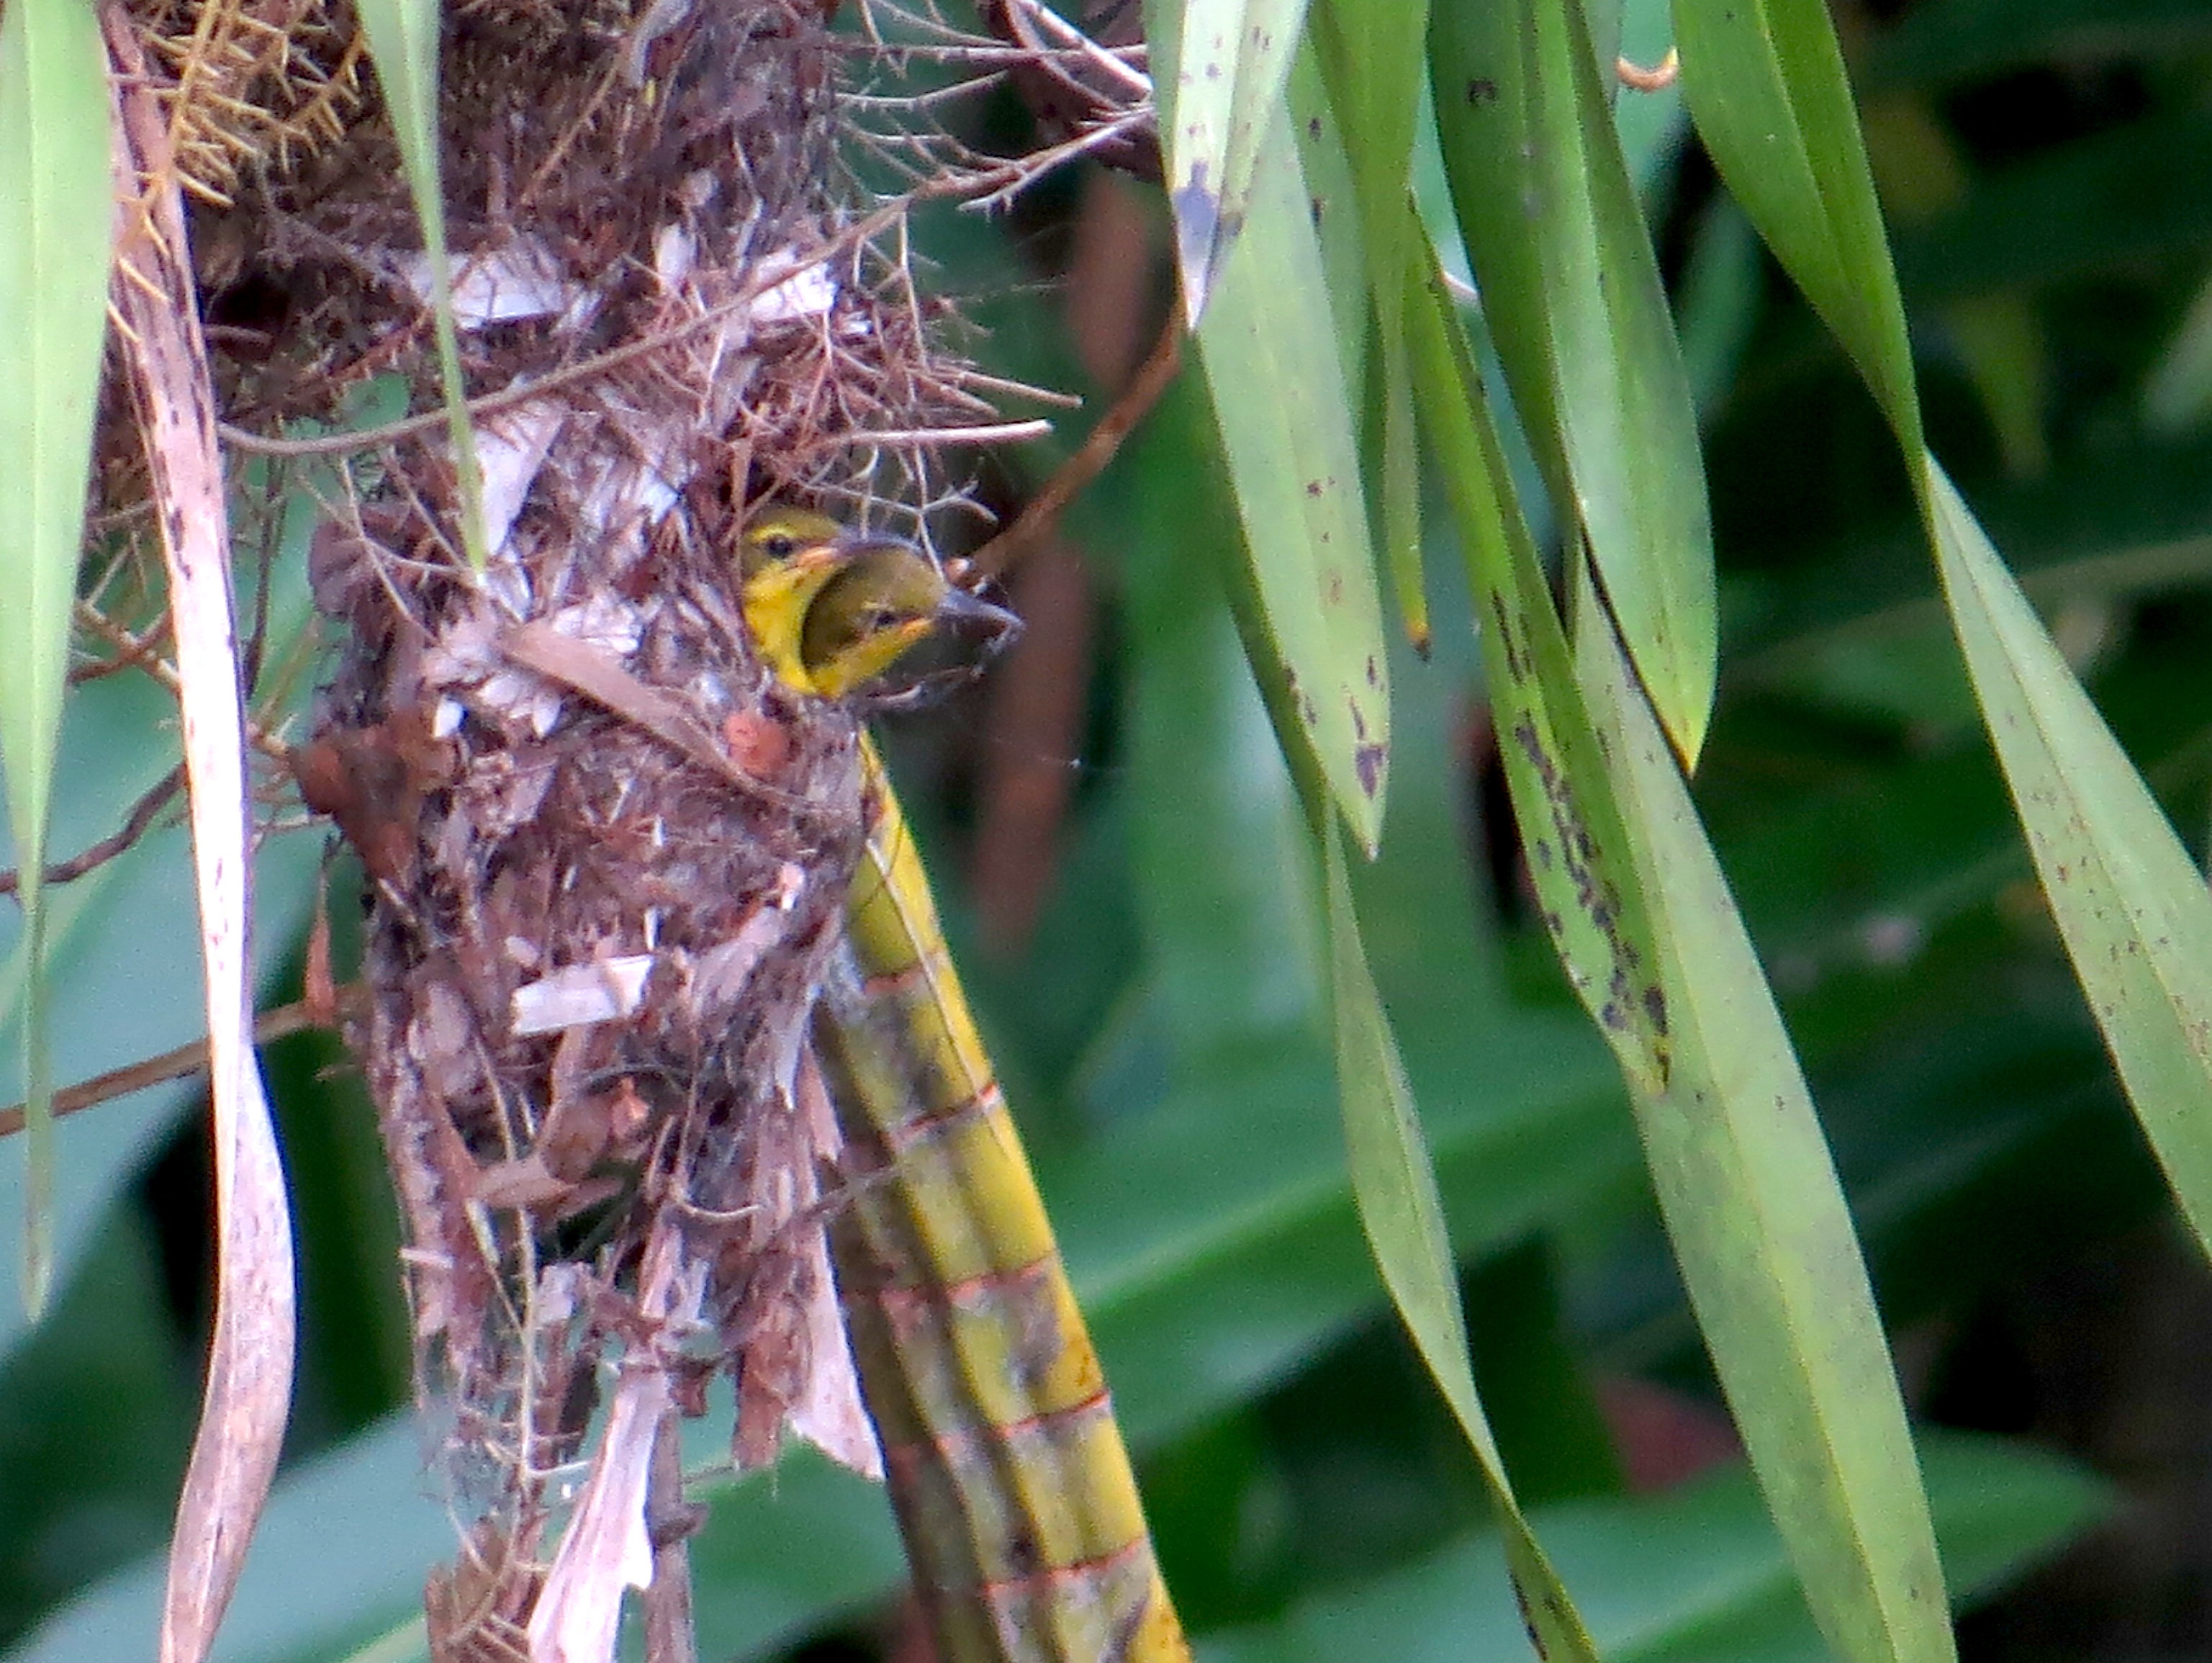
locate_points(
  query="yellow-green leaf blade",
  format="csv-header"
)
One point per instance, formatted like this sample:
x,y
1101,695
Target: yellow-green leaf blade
x,y
1372,63
1231,57
55,227
1586,882
1277,389
1572,287
2134,912
1767,89
1395,1187
403,39
1761,1229
54,235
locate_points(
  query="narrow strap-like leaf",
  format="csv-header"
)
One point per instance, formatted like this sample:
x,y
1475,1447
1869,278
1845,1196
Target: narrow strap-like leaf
x,y
1219,94
1767,88
1759,1227
1370,57
55,228
1395,1188
2135,911
1590,896
1571,288
403,37
1279,403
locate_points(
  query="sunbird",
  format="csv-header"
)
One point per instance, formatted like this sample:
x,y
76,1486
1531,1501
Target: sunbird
x,y
832,610
1012,1486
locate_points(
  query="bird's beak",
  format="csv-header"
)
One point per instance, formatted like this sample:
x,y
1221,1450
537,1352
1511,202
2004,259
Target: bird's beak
x,y
860,544
991,627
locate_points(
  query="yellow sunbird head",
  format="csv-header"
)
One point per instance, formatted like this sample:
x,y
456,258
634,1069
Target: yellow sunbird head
x,y
775,533
832,610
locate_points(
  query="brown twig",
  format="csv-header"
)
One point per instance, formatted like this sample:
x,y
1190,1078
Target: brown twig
x,y
1090,458
185,1060
144,813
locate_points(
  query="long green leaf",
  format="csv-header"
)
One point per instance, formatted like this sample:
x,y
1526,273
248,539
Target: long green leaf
x,y
1759,1225
403,39
1768,94
1225,87
1395,1186
1285,427
1578,850
1332,207
2134,911
1766,88
1370,56
55,227
1571,288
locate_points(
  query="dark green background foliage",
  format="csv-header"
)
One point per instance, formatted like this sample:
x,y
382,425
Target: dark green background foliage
x,y
1163,1034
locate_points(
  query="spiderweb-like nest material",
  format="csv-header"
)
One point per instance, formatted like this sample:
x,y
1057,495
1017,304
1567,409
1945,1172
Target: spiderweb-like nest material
x,y
608,853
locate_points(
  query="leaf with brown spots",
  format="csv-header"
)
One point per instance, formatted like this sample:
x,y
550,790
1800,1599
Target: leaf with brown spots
x,y
1563,797
1280,402
1571,291
2132,908
1759,1225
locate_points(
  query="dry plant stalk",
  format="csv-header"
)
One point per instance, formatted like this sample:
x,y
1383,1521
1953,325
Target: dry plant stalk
x,y
163,365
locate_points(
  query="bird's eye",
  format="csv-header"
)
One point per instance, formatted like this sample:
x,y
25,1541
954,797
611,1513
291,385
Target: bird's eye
x,y
779,545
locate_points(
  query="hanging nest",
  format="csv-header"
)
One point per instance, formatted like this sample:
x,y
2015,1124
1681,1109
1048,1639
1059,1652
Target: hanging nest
x,y
608,856
607,853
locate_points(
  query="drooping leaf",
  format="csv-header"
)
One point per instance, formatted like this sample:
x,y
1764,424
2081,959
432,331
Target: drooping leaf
x,y
1219,104
403,40
1571,288
2133,909
1279,403
1759,1227
1395,1186
1590,896
1770,97
1767,89
1332,206
1371,59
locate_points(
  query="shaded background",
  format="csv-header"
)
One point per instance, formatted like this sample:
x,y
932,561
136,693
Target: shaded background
x,y
1110,831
